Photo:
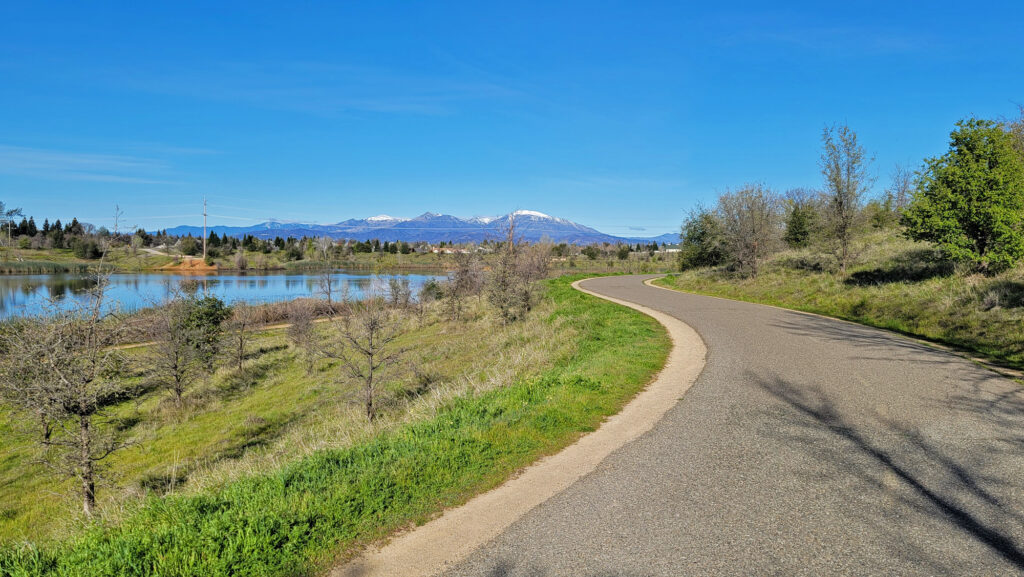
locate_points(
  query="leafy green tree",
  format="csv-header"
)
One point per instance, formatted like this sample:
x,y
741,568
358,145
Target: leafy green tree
x,y
622,252
203,322
970,202
703,242
189,246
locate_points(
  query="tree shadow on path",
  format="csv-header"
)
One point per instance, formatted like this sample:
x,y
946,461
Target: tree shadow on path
x,y
940,485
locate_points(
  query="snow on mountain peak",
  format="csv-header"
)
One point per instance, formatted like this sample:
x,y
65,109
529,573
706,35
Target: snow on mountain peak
x,y
530,213
483,219
383,218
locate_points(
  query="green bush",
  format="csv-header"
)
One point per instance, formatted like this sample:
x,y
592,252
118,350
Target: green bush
x,y
971,200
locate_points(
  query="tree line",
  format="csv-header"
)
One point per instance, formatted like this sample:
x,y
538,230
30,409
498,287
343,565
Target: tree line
x,y
968,203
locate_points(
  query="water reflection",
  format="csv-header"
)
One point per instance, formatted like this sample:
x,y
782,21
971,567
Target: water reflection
x,y
27,294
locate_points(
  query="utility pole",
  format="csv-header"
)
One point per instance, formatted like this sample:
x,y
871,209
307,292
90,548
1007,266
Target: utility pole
x,y
204,228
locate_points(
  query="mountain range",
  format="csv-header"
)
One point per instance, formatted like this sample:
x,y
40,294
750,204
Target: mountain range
x,y
433,228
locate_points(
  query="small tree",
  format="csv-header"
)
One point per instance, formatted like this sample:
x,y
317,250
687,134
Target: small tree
x,y
511,288
240,324
176,361
971,200
63,368
701,241
204,325
901,188
365,347
302,332
135,244
399,292
801,217
327,286
750,225
844,165
466,279
323,246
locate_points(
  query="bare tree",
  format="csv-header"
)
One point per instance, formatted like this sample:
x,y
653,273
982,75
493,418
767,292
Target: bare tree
x,y
365,346
901,185
327,285
399,292
302,332
176,363
751,218
844,165
239,329
504,290
466,279
63,367
324,244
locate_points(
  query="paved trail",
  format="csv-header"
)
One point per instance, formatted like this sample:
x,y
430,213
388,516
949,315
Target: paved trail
x,y
806,447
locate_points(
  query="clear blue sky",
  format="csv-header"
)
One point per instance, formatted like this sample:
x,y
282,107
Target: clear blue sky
x,y
618,115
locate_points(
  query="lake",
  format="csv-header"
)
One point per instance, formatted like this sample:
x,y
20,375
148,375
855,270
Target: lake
x,y
29,294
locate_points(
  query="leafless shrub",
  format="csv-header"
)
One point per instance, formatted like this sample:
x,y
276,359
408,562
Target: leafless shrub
x,y
399,292
302,332
244,317
751,225
365,346
511,289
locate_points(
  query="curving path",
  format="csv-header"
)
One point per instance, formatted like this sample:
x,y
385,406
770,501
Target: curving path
x,y
806,447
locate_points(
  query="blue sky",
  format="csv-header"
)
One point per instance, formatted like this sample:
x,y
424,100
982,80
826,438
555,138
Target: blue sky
x,y
619,115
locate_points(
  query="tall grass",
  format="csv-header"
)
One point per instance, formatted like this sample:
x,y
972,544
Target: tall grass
x,y
41,267
303,516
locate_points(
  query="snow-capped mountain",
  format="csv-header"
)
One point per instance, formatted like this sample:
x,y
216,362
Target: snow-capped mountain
x,y
431,227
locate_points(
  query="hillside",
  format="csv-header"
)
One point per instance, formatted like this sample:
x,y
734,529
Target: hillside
x,y
896,284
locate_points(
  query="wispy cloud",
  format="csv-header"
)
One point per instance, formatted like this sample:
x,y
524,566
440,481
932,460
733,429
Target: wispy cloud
x,y
89,167
316,88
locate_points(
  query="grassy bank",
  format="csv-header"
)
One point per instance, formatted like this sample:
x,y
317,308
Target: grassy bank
x,y
50,261
897,285
527,391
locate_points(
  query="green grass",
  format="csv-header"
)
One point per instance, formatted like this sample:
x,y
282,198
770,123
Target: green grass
x,y
302,516
897,285
50,261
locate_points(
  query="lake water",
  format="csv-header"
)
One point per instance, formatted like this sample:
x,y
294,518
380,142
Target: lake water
x,y
30,294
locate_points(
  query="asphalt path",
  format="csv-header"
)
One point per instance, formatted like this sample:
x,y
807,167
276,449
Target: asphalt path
x,y
807,446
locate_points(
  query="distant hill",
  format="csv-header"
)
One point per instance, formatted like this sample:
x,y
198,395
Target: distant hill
x,y
433,228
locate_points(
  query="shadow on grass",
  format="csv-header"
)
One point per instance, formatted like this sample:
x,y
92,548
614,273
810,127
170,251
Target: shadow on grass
x,y
911,266
1006,294
961,492
256,431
